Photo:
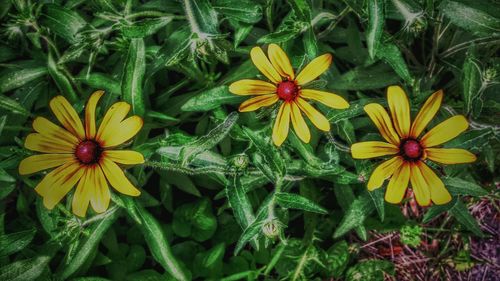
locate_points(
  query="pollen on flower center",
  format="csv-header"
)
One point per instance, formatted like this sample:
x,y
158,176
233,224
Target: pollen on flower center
x,y
287,90
88,152
411,149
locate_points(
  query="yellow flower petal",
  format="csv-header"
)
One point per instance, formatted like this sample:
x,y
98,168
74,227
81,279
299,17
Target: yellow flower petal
x,y
445,131
117,178
426,113
439,194
258,102
420,186
282,124
56,184
90,126
251,87
81,197
67,115
450,155
36,163
299,125
400,110
328,99
280,61
383,172
264,65
127,157
42,143
398,184
314,69
100,194
372,149
383,122
122,132
318,119
115,114
52,131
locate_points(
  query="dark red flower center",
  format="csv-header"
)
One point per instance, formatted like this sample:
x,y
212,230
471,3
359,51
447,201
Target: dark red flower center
x,y
287,90
88,152
411,149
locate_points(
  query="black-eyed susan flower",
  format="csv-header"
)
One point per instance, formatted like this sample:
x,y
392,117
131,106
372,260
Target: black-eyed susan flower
x,y
84,155
284,86
409,149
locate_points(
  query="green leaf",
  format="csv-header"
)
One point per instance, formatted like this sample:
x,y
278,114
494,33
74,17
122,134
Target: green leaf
x,y
370,270
175,48
458,186
133,76
192,149
61,80
209,263
355,216
376,21
156,240
11,79
211,99
301,9
63,22
472,85
295,201
390,54
288,30
246,11
242,208
29,269
378,200
269,153
89,244
365,78
338,258
202,17
437,210
15,242
463,216
12,106
475,16
195,220
145,27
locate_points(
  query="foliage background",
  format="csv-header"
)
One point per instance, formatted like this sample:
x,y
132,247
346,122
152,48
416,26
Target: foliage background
x,y
219,201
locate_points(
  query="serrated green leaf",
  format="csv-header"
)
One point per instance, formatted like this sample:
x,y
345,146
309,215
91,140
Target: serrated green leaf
x,y
245,11
145,27
192,149
355,215
295,201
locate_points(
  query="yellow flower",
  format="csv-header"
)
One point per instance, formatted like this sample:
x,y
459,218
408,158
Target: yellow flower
x,y
287,87
410,150
83,154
